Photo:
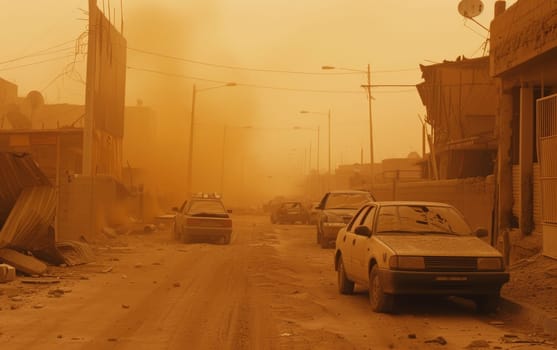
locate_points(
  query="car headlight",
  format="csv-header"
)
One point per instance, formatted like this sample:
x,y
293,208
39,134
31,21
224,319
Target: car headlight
x,y
490,264
397,262
333,218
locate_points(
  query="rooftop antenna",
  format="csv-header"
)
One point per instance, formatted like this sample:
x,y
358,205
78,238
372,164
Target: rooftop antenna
x,y
470,9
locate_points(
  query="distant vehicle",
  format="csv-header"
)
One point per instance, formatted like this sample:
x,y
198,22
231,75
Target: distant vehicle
x,y
203,218
335,210
313,213
417,248
290,212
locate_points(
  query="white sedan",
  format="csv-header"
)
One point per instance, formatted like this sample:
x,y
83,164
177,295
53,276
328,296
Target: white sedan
x,y
417,248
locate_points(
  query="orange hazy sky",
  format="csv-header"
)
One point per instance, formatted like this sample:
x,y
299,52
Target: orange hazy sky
x,y
394,37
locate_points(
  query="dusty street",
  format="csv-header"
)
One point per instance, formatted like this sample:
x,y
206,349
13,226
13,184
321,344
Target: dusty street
x,y
271,288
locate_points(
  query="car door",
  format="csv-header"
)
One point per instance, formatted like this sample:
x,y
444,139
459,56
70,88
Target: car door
x,y
361,246
179,221
347,240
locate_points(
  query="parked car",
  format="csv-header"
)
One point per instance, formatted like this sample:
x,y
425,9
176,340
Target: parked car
x,y
203,218
417,248
313,213
290,212
335,210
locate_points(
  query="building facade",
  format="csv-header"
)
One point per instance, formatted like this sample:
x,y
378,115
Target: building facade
x,y
523,60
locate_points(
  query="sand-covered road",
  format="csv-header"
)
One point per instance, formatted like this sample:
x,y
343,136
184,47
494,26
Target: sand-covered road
x,y
271,288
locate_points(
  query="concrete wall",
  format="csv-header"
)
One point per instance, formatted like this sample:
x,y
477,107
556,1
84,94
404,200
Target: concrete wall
x,y
88,205
473,196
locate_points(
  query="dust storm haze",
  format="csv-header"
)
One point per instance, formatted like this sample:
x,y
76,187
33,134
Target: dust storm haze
x,y
268,146
219,112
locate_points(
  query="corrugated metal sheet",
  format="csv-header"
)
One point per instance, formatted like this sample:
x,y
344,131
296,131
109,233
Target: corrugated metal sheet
x,y
27,226
17,171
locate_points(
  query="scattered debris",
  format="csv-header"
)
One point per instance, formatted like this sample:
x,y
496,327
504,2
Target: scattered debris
x,y
16,298
43,280
478,344
411,336
27,264
56,293
108,269
7,273
112,339
286,334
38,306
75,252
109,232
125,306
176,284
149,228
439,340
497,323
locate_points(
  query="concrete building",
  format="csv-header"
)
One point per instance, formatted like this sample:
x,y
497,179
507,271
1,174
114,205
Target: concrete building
x,y
461,104
523,56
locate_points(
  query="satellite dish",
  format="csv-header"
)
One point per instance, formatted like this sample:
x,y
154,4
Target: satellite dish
x,y
470,8
35,99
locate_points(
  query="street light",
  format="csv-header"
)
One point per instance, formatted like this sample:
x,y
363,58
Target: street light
x,y
368,89
192,123
328,114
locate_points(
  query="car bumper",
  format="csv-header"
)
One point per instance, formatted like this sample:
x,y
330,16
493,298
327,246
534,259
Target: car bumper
x,y
330,230
292,217
442,283
207,233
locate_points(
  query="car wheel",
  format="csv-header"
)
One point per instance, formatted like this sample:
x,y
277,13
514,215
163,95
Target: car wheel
x,y
345,286
487,304
380,302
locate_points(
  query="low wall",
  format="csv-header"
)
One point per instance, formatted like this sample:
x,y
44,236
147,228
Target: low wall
x,y
472,196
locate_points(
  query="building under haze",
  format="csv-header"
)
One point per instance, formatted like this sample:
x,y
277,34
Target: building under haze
x,y
461,104
523,56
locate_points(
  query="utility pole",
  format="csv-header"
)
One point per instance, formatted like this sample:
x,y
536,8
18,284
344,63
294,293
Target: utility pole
x,y
88,120
190,150
330,174
371,160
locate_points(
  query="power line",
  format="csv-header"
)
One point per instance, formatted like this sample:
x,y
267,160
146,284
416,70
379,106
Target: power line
x,y
43,52
177,75
258,69
35,63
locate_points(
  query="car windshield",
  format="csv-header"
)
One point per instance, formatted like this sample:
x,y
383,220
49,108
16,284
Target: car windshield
x,y
292,205
347,200
421,219
207,208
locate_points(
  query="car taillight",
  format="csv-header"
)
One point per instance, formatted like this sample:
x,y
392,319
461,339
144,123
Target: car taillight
x,y
194,222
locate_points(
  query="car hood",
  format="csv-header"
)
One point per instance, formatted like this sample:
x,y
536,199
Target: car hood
x,y
438,245
341,212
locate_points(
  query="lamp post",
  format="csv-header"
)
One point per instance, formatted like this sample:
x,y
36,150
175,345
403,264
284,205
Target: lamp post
x,y
369,98
328,114
192,123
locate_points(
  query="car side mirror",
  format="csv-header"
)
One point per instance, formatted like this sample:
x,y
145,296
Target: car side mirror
x,y
363,231
481,232
175,209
